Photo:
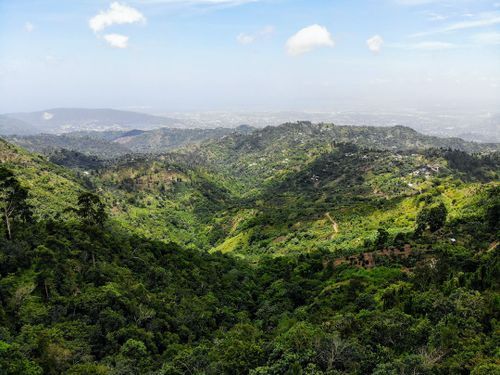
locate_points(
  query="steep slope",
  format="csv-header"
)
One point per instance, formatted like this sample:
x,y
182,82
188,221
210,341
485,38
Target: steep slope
x,y
333,196
272,151
52,188
163,199
153,197
167,139
75,160
64,282
339,201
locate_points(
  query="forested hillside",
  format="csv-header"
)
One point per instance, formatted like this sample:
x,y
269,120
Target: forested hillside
x,y
301,249
229,147
112,144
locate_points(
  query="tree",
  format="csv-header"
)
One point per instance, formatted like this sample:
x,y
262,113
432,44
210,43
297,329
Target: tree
x,y
91,210
13,200
493,216
486,369
382,238
400,239
133,358
45,265
432,218
13,361
238,350
437,217
334,352
89,369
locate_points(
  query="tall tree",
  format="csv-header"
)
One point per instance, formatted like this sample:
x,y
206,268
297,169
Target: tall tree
x,y
13,200
91,210
432,218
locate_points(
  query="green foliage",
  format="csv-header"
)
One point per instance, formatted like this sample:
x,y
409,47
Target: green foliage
x,y
13,362
382,238
13,200
239,349
486,369
493,216
302,263
432,218
91,210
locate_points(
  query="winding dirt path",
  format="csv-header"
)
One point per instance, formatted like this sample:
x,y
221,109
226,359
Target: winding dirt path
x,y
493,246
335,226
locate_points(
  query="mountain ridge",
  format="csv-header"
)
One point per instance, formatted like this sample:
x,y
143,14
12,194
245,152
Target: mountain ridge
x,y
109,144
63,120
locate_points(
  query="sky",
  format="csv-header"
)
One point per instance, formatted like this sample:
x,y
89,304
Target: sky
x,y
250,55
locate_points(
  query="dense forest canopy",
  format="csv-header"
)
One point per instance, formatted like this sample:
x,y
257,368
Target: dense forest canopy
x,y
301,249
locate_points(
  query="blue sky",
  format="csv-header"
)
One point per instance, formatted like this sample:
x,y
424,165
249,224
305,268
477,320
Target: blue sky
x,y
260,55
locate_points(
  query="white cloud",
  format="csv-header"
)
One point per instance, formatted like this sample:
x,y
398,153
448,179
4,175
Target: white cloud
x,y
245,39
117,14
492,38
375,43
29,27
250,38
484,20
47,116
309,38
116,40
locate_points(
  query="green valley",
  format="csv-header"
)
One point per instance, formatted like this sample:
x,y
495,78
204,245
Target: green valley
x,y
298,249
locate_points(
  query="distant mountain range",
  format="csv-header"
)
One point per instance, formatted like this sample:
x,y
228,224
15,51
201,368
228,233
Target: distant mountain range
x,y
110,144
479,126
245,150
483,127
10,125
63,120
